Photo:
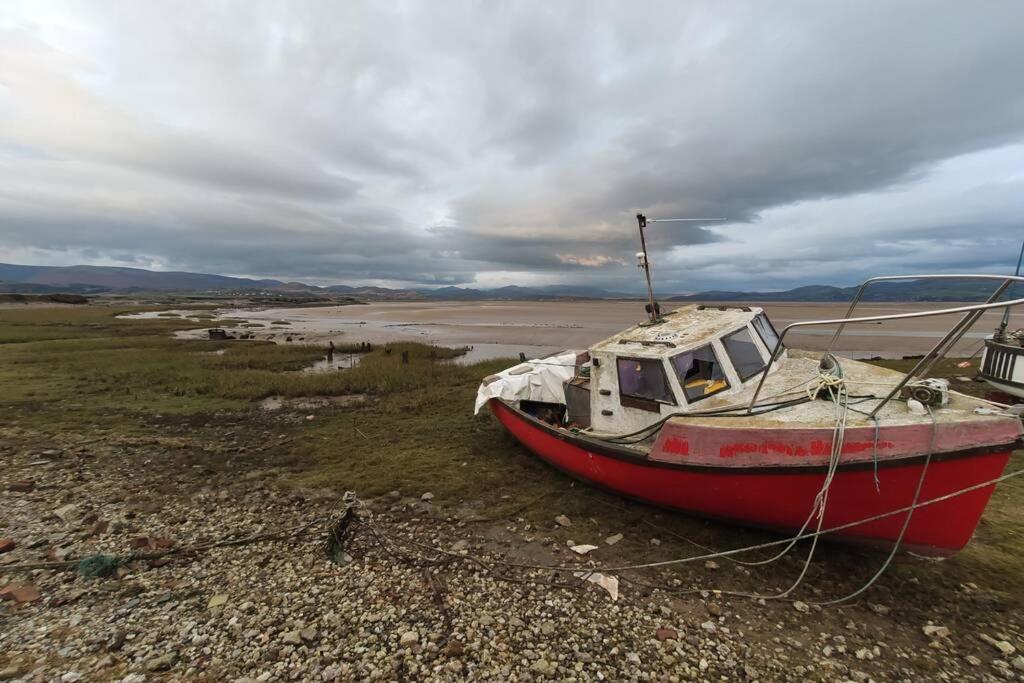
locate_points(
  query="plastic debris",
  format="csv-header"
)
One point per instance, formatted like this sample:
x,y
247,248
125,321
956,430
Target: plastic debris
x,y
582,549
609,583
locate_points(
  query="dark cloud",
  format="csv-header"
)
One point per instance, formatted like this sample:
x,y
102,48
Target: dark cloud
x,y
451,144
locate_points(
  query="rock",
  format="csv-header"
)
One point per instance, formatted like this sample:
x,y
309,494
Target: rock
x,y
655,541
714,609
486,620
67,513
6,545
547,628
801,607
291,638
666,634
878,609
934,631
613,539
23,486
308,634
710,564
632,658
864,653
562,520
409,638
428,496
709,626
71,677
1002,645
163,662
1018,662
9,672
20,593
218,600
543,666
459,546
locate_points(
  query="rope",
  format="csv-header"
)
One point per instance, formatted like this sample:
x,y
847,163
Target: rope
x,y
757,546
906,521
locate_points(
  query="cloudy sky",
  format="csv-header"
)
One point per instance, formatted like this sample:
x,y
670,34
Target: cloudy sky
x,y
492,143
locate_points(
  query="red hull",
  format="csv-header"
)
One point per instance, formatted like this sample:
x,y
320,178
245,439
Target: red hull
x,y
781,498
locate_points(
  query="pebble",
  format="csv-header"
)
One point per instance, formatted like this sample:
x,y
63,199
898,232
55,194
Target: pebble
x,y
563,521
280,611
163,662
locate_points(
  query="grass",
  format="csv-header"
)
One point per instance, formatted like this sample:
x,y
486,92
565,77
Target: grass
x,y
83,369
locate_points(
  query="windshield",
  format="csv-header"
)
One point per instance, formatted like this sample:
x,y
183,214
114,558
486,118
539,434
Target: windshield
x,y
700,373
743,353
766,331
644,378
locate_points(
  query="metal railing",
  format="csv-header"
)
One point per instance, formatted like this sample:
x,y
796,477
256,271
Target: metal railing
x,y
972,313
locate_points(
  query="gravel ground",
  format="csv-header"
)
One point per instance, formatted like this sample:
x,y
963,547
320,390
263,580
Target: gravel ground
x,y
280,610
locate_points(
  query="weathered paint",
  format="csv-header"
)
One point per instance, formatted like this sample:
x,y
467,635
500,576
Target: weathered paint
x,y
784,446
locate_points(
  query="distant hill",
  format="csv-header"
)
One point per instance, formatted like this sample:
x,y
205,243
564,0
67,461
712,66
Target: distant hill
x,y
19,279
110,278
913,290
99,279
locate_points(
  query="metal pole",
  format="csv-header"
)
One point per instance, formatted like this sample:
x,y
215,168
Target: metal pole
x,y
641,222
937,351
1001,330
966,323
898,316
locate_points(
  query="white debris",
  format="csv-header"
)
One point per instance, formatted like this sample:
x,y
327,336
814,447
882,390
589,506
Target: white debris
x,y
609,583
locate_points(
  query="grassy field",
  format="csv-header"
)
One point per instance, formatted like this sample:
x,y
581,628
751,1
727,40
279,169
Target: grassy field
x,y
81,369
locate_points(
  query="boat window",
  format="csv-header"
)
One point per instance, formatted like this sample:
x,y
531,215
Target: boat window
x,y
700,373
743,353
766,331
644,378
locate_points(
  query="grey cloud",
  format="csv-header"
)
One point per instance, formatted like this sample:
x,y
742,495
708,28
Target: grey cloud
x,y
443,143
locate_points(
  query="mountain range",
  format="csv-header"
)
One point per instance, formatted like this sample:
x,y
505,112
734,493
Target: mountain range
x,y
110,279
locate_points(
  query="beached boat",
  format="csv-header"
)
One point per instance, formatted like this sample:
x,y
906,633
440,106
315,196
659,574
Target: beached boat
x,y
1002,364
704,409
1002,360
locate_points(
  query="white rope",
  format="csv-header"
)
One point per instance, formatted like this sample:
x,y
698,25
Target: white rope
x,y
766,544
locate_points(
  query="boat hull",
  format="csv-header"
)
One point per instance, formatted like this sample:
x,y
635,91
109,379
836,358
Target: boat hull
x,y
781,498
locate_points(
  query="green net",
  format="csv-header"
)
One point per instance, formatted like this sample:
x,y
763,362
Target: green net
x,y
95,566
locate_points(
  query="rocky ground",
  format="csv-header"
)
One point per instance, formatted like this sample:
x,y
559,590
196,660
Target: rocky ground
x,y
279,609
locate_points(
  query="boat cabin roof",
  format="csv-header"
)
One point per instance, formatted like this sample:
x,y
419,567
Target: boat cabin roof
x,y
684,328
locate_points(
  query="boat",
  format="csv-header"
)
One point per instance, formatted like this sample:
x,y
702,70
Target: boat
x,y
706,410
1002,360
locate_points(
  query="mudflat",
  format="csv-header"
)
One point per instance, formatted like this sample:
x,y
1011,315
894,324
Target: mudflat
x,y
553,325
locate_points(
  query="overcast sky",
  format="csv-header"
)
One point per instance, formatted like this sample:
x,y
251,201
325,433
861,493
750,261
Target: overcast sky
x,y
492,143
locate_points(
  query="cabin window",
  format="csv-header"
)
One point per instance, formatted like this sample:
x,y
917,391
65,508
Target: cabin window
x,y
643,379
700,373
743,353
766,331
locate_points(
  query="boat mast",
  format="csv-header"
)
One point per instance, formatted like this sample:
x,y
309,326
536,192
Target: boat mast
x,y
653,310
1001,330
645,263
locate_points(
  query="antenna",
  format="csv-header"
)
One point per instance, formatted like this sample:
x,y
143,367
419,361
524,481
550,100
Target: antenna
x,y
1001,330
653,310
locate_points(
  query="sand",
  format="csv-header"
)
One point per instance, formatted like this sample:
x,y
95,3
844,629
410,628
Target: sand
x,y
501,328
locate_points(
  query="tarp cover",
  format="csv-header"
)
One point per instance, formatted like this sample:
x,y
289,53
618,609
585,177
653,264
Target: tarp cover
x,y
534,380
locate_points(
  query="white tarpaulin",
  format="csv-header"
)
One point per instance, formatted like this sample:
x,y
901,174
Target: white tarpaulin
x,y
534,380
